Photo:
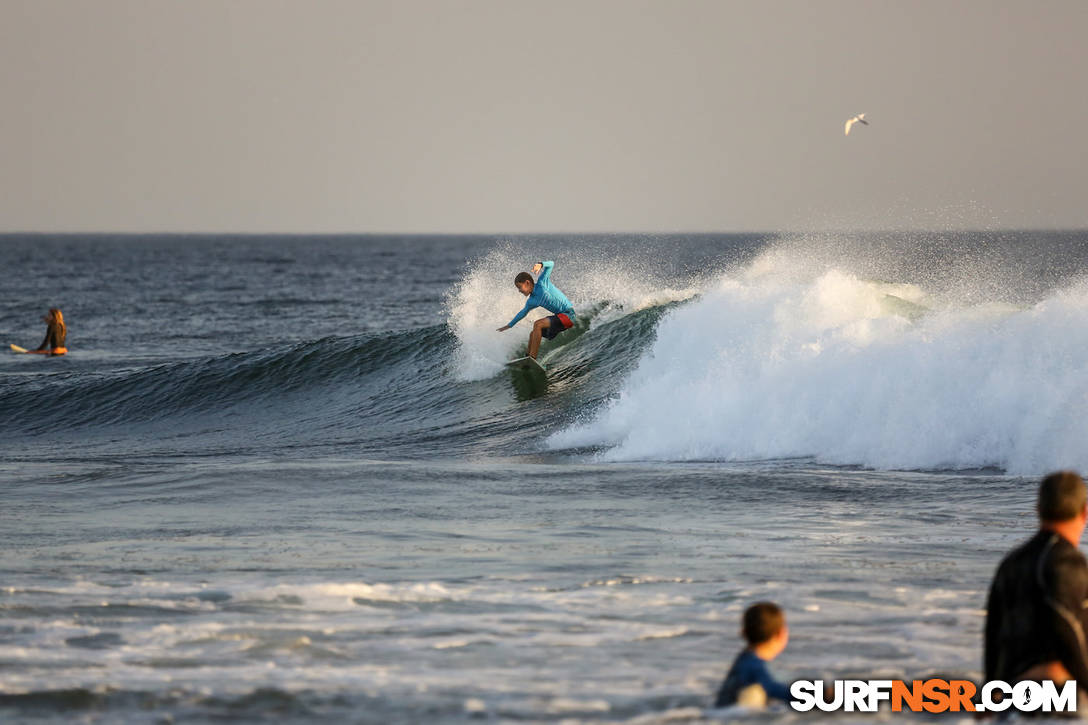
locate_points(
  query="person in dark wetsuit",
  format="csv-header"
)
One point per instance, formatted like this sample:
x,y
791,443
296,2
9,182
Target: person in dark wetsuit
x,y
749,682
55,334
1036,618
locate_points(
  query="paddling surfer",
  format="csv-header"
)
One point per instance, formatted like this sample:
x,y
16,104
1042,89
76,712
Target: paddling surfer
x,y
542,293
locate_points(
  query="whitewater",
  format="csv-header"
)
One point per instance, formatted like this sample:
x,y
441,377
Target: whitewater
x,y
289,479
849,371
792,356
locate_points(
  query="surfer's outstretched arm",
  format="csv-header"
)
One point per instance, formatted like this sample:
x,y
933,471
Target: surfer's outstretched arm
x,y
517,318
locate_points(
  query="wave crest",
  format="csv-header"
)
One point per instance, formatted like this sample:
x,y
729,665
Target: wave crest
x,y
850,371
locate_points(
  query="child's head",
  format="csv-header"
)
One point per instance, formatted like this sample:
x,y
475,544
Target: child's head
x,y
764,627
524,283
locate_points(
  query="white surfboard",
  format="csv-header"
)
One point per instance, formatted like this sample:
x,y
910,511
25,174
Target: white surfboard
x,y
16,348
526,363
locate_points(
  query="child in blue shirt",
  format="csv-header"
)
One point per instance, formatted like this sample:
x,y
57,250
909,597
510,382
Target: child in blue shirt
x,y
542,293
749,682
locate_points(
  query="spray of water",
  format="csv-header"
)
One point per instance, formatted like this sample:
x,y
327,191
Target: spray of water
x,y
813,351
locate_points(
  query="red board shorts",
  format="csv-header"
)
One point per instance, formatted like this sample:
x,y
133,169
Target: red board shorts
x,y
556,324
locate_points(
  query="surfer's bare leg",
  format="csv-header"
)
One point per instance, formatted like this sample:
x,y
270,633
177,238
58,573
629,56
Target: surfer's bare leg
x,y
535,335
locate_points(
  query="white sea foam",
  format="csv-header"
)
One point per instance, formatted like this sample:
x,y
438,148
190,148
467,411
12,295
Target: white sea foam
x,y
551,654
347,596
778,360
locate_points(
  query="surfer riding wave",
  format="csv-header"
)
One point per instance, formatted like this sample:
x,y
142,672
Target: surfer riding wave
x,y
542,293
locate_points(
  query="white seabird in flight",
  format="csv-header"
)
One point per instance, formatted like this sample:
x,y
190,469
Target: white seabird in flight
x,y
860,118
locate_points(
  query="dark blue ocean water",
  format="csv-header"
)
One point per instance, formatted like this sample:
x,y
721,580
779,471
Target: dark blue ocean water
x,y
288,478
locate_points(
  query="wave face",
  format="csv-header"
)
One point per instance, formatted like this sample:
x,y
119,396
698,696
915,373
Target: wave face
x,y
784,358
222,382
912,352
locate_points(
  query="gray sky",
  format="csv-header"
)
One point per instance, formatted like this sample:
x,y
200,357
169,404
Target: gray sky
x,y
536,116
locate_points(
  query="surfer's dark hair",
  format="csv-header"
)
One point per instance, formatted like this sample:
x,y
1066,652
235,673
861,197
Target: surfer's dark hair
x,y
1061,496
762,621
523,277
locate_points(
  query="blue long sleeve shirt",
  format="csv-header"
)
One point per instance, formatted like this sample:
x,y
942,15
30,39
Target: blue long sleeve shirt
x,y
546,295
749,669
